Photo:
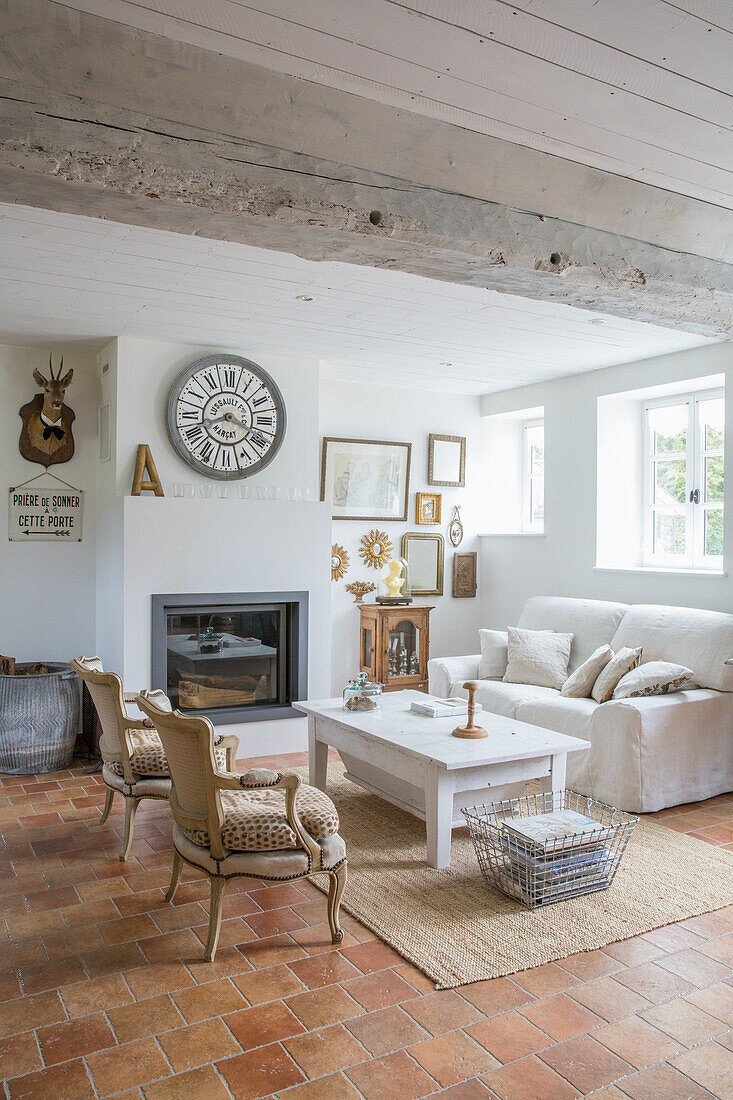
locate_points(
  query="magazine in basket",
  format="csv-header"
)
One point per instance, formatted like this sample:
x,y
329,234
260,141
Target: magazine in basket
x,y
550,830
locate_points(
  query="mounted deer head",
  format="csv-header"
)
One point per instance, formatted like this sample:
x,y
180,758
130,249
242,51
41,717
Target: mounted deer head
x,y
54,390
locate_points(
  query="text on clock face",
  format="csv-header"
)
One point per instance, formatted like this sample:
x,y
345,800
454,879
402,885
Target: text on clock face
x,y
226,417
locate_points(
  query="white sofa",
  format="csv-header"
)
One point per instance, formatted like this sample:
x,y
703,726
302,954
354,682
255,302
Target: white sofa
x,y
646,753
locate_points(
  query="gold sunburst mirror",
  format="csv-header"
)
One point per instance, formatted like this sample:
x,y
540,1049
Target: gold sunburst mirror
x,y
339,562
375,549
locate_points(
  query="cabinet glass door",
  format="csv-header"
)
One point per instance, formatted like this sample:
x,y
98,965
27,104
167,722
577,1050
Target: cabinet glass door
x,y
367,650
403,650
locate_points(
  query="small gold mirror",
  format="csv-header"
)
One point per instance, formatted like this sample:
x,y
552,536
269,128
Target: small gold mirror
x,y
339,562
424,555
375,549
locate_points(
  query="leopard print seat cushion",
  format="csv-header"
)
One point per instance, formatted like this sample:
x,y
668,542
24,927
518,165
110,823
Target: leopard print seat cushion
x,y
255,821
148,756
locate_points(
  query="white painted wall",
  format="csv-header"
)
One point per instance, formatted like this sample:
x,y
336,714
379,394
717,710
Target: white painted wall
x,y
47,589
359,411
563,561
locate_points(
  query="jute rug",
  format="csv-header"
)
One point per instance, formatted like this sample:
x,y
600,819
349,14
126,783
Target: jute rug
x,y
457,929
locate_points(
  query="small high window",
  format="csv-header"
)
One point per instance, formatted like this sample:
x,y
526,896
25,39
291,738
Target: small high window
x,y
684,440
533,512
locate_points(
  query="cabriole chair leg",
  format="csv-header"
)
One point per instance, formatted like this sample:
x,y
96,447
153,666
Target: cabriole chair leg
x,y
218,888
107,805
335,890
131,805
175,876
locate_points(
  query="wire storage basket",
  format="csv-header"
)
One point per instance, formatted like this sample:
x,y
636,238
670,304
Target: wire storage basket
x,y
540,862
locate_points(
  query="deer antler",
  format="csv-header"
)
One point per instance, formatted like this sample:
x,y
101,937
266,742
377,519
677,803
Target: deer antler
x,y
50,366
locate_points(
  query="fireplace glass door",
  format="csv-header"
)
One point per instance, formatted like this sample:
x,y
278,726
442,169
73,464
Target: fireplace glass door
x,y
226,657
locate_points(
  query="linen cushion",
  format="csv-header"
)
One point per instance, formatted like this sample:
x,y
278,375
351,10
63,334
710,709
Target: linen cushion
x,y
652,678
538,657
255,821
621,663
591,622
492,665
580,684
148,755
700,640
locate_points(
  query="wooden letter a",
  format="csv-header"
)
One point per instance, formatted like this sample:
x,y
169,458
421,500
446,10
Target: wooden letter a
x,y
144,465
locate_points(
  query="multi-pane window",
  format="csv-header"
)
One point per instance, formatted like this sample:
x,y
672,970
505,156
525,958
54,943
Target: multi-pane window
x,y
534,475
685,438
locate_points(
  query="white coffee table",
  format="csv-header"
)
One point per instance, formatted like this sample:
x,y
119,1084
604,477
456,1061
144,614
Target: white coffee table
x,y
414,762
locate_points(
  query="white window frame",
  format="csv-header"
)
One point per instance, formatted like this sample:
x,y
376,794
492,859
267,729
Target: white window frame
x,y
693,511
529,525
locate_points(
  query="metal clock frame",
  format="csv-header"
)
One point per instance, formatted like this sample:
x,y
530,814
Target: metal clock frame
x,y
174,435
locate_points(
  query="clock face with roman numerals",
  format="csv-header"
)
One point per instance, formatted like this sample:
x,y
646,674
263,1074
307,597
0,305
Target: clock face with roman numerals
x,y
226,417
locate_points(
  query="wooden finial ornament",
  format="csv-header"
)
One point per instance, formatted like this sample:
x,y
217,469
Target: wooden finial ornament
x,y
470,730
144,465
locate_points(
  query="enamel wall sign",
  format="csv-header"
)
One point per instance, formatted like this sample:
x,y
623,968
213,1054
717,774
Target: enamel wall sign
x,y
45,514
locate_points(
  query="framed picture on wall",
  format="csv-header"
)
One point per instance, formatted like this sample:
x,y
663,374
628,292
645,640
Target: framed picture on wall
x,y
366,479
428,507
447,460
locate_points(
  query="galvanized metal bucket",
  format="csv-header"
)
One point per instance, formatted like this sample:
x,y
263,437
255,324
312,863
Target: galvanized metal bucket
x,y
39,720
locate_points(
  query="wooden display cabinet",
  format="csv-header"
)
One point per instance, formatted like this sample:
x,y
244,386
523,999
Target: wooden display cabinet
x,y
394,645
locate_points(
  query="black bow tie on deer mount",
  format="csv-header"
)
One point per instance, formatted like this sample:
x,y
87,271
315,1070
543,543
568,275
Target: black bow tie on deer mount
x,y
46,436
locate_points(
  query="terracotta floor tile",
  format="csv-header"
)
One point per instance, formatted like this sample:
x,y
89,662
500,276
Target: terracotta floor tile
x,y
695,967
560,1017
202,1002
673,938
684,1022
19,1055
320,1007
171,945
467,1090
509,1036
321,1052
272,951
529,1079
709,925
544,981
372,955
260,1072
442,1011
721,949
229,962
149,981
69,1081
316,938
634,952
71,942
716,1000
23,925
75,1038
637,1042
197,1084
452,1058
174,917
654,982
587,966
395,1077
143,1018
609,999
9,985
51,975
662,1083
97,995
385,1031
52,899
380,990
495,995
275,896
127,928
711,1066
415,977
91,912
112,960
28,1012
726,1040
270,984
127,1066
325,969
206,1041
267,1023
334,1087
585,1063
273,922
23,952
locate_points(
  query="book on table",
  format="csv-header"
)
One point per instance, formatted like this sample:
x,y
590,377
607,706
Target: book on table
x,y
432,707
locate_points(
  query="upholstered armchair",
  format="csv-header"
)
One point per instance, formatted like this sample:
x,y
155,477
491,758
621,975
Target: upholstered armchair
x,y
261,824
133,760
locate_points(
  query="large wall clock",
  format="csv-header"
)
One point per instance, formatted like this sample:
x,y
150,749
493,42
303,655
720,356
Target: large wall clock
x,y
226,417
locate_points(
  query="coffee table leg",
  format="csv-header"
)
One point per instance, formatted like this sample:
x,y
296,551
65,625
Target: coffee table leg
x,y
555,781
317,757
438,815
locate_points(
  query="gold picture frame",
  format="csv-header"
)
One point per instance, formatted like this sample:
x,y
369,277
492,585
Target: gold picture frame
x,y
428,508
366,479
424,554
447,460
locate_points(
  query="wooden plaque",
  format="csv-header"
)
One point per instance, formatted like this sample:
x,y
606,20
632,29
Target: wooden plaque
x,y
464,575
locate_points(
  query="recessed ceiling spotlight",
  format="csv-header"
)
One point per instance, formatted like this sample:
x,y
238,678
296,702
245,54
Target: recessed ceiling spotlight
x,y
596,321
302,298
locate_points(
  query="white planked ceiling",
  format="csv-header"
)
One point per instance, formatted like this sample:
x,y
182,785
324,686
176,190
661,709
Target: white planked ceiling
x,y
641,88
75,282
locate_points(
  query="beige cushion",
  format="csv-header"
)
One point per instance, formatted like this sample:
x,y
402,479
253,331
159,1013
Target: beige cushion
x,y
580,684
538,657
148,756
591,622
272,866
153,786
492,665
255,821
653,678
621,663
